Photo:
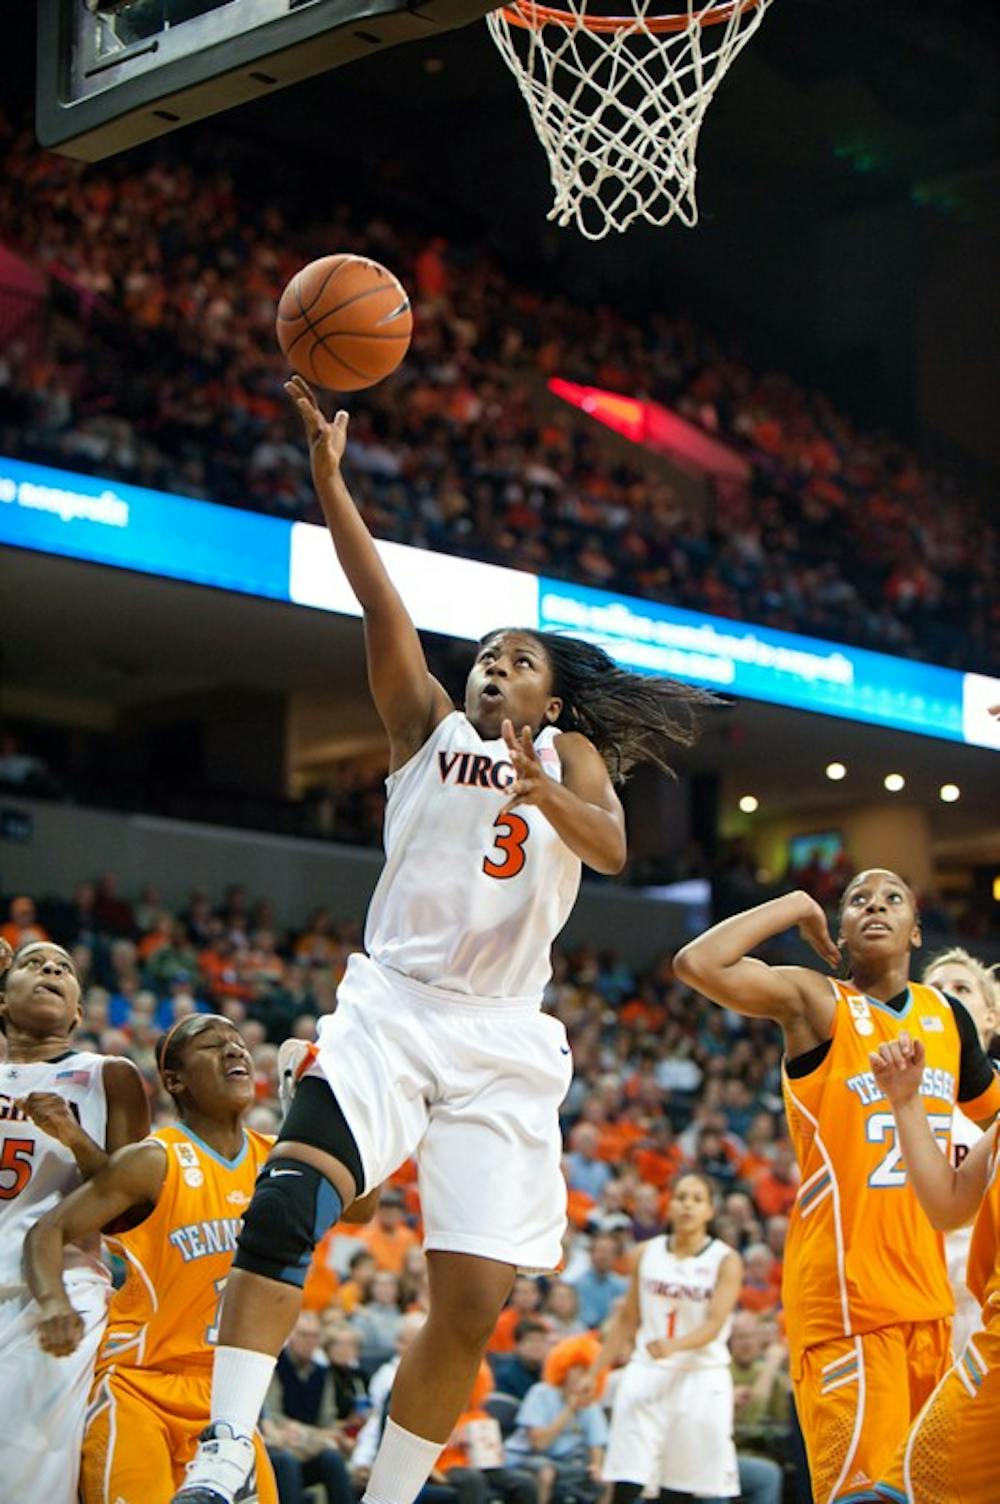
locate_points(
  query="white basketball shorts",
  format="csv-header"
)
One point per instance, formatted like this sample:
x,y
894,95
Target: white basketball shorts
x,y
43,1399
471,1088
673,1428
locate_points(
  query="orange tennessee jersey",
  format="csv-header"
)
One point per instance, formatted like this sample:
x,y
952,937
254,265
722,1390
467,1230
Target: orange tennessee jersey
x,y
860,1252
983,1277
165,1314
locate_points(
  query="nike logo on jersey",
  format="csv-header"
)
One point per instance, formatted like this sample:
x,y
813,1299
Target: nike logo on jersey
x,y
475,770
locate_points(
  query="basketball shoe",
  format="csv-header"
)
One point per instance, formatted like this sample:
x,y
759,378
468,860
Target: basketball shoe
x,y
222,1469
293,1057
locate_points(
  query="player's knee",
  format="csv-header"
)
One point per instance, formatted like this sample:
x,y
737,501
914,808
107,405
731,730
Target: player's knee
x,y
471,1318
293,1205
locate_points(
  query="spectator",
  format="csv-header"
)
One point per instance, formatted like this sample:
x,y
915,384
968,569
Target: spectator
x,y
473,1459
562,1309
762,1399
584,1171
387,1236
761,1280
22,927
349,1390
525,1300
515,1373
775,1189
378,1321
599,1286
561,1432
301,1411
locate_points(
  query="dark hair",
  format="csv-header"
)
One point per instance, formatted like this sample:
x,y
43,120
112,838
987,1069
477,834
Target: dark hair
x,y
526,1327
169,1048
706,1180
630,718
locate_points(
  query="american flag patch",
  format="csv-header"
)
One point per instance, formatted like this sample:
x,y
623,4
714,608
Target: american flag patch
x,y
73,1077
932,1025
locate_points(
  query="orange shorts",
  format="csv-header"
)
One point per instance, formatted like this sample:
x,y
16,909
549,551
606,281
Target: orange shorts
x,y
952,1454
856,1398
142,1428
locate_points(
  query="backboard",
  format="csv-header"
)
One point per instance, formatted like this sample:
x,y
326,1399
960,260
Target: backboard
x,y
113,73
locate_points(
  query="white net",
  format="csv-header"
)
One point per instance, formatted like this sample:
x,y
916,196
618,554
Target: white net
x,y
618,103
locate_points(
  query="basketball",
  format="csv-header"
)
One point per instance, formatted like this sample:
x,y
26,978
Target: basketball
x,y
344,322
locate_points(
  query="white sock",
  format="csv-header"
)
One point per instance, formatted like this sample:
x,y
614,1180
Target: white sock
x,y
402,1466
240,1378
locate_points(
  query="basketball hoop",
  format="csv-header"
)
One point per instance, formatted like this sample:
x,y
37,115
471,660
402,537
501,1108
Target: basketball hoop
x,y
618,101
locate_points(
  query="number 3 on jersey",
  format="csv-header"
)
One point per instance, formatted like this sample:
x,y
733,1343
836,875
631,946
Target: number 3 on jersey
x,y
513,831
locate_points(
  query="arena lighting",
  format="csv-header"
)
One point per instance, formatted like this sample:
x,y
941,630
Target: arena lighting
x,y
996,888
130,527
749,803
949,792
894,782
835,771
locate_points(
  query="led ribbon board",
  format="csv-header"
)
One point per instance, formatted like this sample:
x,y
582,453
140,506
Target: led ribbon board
x,y
175,537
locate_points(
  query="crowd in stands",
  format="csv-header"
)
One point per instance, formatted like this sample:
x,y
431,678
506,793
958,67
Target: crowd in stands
x,y
162,368
663,1081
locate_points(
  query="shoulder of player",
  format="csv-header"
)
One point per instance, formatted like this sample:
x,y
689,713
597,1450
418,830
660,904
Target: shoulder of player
x,y
120,1075
731,1262
140,1168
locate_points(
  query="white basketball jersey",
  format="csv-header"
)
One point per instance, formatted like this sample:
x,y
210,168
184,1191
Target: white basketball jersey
x,y
673,1299
968,1315
36,1170
469,901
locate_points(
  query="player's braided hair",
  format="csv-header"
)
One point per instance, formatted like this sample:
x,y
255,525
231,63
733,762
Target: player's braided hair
x,y
630,718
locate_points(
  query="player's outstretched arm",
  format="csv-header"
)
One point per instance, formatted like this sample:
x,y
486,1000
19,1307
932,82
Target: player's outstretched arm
x,y
131,1178
583,809
409,701
949,1197
718,964
721,1306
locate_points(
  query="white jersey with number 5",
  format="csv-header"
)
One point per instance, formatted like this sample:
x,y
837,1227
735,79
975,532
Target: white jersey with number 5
x,y
36,1171
470,901
673,1300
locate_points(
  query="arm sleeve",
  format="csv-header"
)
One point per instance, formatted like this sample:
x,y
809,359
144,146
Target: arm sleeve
x,y
978,1084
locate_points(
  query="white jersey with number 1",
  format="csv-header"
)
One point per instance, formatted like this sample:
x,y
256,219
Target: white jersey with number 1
x,y
673,1300
470,900
672,1418
43,1399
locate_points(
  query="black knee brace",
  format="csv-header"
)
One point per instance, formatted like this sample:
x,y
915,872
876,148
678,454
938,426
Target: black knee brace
x,y
293,1205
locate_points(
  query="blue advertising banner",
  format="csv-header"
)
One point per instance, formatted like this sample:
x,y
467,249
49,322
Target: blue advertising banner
x,y
109,522
129,527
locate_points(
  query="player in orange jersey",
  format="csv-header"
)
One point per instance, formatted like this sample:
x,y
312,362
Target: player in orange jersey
x,y
952,1453
866,1294
181,1194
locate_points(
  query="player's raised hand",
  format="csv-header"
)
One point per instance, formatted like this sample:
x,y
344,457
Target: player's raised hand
x,y
327,439
52,1114
531,782
898,1067
816,932
60,1330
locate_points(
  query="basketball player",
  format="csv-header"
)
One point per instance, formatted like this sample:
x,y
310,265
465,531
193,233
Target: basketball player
x,y
960,975
952,1453
181,1194
672,1418
438,1046
866,1295
62,1112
